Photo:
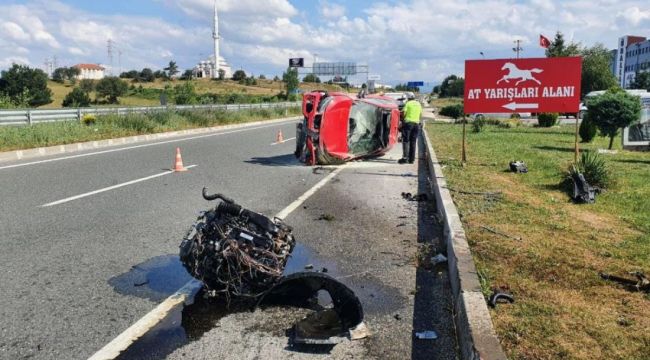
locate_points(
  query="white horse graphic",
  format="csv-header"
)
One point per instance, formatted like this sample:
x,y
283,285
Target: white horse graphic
x,y
516,73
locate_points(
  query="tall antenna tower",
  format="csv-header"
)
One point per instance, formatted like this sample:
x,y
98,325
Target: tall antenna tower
x,y
517,49
109,46
119,59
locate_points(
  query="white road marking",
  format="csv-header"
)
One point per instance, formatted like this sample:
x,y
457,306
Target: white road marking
x,y
151,319
76,197
139,146
283,141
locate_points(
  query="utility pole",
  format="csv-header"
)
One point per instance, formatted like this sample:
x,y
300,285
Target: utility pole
x,y
517,47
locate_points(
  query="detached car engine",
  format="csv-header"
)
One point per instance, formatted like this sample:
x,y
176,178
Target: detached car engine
x,y
236,252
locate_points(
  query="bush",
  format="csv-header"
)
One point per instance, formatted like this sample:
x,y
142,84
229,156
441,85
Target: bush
x,y
88,119
24,84
111,88
76,98
478,123
588,129
547,119
452,111
594,169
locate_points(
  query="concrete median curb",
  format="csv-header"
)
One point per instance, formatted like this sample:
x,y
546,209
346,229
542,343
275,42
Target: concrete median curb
x,y
90,145
476,336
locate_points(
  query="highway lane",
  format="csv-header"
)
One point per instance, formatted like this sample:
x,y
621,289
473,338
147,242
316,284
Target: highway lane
x,y
57,261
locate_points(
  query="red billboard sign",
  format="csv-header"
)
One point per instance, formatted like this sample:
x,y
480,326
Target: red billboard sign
x,y
523,85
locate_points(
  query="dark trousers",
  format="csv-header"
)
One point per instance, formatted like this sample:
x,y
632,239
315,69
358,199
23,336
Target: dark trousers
x,y
410,132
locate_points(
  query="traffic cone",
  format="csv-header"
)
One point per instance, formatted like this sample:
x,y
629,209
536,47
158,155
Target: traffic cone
x,y
178,164
279,138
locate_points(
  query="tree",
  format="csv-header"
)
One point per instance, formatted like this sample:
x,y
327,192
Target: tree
x,y
641,81
172,69
71,74
146,75
132,74
262,77
221,74
276,78
239,75
21,78
596,72
613,110
452,86
187,75
558,48
76,98
87,85
159,74
58,75
290,79
111,88
311,78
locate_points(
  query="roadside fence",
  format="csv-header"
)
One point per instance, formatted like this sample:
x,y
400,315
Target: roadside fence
x,y
37,116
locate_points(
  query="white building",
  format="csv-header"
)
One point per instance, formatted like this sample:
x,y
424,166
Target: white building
x,y
206,68
90,71
209,68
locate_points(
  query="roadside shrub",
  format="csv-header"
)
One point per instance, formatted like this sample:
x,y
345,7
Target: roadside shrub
x,y
594,168
588,129
515,116
76,98
452,111
88,119
547,119
509,124
478,123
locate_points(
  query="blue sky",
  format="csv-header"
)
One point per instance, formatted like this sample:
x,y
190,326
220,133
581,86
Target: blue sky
x,y
400,40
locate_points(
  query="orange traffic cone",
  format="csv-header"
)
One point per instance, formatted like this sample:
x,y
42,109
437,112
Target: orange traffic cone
x,y
279,138
178,164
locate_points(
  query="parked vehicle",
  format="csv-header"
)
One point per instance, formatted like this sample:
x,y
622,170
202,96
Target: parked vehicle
x,y
337,127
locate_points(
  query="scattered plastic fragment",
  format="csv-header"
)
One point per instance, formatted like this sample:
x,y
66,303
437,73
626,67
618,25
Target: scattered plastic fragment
x,y
426,335
497,296
438,259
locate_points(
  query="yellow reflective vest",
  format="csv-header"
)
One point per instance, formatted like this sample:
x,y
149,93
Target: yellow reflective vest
x,y
412,111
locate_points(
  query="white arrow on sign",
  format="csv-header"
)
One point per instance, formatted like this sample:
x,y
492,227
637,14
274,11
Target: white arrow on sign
x,y
515,106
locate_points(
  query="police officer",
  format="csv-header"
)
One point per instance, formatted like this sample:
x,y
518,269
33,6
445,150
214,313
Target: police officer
x,y
410,129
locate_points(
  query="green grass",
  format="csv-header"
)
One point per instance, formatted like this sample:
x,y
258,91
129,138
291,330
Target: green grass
x,y
563,309
113,126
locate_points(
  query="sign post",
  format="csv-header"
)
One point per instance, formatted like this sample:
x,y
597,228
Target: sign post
x,y
523,85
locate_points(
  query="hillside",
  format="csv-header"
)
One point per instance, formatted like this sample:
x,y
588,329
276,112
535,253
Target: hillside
x,y
263,87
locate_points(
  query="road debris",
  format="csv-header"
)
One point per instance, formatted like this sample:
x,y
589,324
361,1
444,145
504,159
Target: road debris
x,y
240,255
583,193
326,217
419,197
518,167
234,251
438,259
326,326
499,297
426,335
642,283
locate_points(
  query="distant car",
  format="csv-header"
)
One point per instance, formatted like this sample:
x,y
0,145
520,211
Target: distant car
x,y
337,127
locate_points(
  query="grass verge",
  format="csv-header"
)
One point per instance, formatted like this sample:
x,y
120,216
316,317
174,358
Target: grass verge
x,y
563,309
113,126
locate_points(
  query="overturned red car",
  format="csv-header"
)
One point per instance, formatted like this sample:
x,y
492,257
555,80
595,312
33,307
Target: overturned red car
x,y
338,127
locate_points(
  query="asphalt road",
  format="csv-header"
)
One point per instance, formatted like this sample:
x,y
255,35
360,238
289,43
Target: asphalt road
x,y
76,274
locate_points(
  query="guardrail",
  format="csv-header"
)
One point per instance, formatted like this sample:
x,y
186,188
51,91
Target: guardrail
x,y
37,116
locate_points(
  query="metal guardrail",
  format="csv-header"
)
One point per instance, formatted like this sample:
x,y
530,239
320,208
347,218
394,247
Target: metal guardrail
x,y
38,116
